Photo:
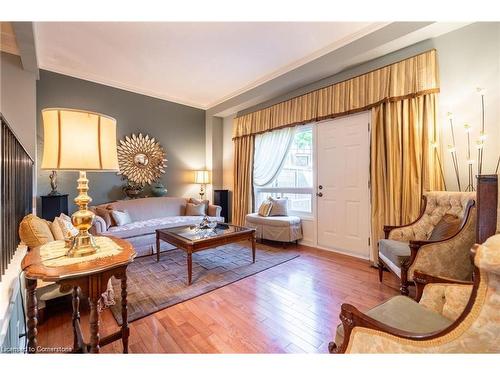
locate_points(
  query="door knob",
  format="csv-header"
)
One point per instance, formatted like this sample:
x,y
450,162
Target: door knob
x,y
319,194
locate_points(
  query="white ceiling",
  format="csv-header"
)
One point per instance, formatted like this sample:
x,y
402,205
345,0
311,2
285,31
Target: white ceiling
x,y
199,64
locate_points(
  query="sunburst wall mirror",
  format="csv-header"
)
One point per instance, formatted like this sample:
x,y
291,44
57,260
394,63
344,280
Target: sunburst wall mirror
x,y
141,159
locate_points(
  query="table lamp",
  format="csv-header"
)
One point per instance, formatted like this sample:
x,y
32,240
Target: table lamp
x,y
76,140
202,178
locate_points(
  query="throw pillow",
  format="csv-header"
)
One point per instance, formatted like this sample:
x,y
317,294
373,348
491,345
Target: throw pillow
x,y
105,213
279,207
195,209
265,208
57,230
34,231
67,226
121,217
205,202
446,227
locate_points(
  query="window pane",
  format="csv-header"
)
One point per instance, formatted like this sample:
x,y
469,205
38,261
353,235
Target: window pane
x,y
297,172
297,169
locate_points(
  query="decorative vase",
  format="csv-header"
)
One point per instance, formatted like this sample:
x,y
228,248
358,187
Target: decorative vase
x,y
158,190
132,191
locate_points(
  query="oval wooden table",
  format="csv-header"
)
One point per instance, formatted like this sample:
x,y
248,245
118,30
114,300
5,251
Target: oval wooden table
x,y
87,278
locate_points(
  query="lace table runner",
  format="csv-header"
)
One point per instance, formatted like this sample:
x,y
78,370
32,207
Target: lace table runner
x,y
53,254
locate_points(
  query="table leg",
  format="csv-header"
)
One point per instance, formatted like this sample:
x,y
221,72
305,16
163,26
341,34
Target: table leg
x,y
157,248
253,248
190,267
125,329
75,316
32,315
94,324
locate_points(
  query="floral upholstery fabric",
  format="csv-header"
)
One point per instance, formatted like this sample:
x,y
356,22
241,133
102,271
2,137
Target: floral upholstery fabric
x,y
449,258
478,332
439,203
448,300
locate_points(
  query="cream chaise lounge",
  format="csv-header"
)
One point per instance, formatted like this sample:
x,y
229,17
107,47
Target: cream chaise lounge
x,y
275,228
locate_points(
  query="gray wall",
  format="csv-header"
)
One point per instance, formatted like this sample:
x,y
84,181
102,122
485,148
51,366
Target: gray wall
x,y
179,129
17,100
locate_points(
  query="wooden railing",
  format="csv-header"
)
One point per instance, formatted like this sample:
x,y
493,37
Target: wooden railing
x,y
16,191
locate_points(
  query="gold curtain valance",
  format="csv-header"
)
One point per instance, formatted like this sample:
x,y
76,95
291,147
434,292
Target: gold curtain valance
x,y
412,77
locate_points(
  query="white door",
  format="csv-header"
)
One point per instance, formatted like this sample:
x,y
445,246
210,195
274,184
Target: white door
x,y
343,172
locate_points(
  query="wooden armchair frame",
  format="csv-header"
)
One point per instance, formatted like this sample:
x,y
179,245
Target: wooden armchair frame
x,y
416,245
351,317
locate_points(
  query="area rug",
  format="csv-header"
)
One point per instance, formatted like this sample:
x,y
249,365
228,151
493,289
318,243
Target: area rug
x,y
154,286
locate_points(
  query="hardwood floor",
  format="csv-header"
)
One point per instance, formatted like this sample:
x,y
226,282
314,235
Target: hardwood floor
x,y
290,308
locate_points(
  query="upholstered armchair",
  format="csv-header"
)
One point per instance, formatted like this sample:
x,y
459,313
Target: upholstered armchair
x,y
436,243
450,317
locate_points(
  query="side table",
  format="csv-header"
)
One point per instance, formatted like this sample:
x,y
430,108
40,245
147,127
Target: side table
x,y
87,278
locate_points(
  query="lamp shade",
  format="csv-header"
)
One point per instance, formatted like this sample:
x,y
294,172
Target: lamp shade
x,y
78,140
201,177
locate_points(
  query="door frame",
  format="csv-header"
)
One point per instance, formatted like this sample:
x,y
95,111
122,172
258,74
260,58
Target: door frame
x,y
315,186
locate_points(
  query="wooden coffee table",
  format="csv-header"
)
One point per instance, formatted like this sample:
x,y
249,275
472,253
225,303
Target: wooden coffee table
x,y
190,240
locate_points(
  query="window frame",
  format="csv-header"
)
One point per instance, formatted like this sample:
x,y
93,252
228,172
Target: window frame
x,y
291,190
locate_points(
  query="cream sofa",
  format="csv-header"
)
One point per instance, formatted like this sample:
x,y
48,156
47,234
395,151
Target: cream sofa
x,y
149,214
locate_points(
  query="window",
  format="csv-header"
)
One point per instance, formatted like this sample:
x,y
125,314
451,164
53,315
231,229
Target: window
x,y
295,179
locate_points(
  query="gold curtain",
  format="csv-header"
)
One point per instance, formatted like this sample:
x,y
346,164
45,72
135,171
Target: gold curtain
x,y
402,97
414,76
243,178
403,160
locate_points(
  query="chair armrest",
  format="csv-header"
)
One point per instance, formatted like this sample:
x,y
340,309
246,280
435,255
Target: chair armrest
x,y
389,228
351,317
214,210
422,279
98,226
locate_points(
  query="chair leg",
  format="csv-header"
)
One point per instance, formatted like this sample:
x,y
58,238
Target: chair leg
x,y
380,270
404,282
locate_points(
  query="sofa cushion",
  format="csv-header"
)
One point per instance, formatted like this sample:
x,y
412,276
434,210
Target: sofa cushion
x,y
275,221
56,229
195,209
121,217
445,228
396,251
151,208
140,228
105,213
403,313
204,202
34,231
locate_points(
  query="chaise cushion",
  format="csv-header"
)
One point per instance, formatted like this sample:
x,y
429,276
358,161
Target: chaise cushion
x,y
397,252
278,207
403,313
275,221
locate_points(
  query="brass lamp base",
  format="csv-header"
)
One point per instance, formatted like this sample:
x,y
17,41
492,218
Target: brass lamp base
x,y
83,243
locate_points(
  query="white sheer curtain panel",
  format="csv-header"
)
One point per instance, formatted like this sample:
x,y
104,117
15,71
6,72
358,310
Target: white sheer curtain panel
x,y
270,152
